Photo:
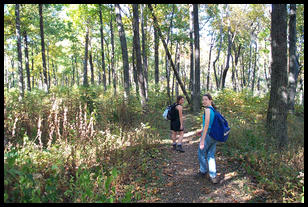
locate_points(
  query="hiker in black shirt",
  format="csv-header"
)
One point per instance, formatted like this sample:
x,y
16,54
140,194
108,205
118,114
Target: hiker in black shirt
x,y
176,125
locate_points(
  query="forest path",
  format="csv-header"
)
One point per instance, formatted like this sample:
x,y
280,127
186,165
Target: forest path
x,y
180,185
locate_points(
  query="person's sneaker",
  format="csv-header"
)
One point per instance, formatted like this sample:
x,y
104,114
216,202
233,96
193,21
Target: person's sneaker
x,y
180,148
174,146
214,180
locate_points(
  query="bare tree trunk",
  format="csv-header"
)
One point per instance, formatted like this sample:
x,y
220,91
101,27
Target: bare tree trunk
x,y
20,70
224,74
293,58
145,61
112,56
27,61
192,72
156,46
46,87
138,55
85,64
209,65
102,47
217,58
124,51
196,100
277,113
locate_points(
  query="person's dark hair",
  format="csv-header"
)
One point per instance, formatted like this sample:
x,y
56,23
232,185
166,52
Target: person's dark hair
x,y
210,98
178,99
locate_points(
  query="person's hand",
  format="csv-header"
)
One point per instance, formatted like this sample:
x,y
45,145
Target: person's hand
x,y
181,127
201,145
199,133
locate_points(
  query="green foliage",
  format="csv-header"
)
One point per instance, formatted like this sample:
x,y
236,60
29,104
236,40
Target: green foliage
x,y
249,144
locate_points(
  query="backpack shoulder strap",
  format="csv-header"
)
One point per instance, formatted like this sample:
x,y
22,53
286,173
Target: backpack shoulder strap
x,y
211,107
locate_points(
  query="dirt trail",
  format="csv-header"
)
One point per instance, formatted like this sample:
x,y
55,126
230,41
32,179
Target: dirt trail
x,y
182,187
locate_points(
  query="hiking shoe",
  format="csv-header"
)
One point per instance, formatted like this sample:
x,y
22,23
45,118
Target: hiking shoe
x,y
174,146
180,149
214,180
200,175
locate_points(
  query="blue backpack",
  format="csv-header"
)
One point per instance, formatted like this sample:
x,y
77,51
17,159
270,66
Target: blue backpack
x,y
220,129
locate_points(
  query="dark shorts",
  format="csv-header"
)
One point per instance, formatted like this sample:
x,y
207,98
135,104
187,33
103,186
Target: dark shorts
x,y
175,125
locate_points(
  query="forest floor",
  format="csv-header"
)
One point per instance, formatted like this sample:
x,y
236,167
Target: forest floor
x,y
180,186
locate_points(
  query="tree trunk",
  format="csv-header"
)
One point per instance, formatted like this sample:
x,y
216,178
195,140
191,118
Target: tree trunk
x,y
102,46
169,56
166,57
217,58
114,78
192,72
144,55
20,71
277,113
135,69
254,70
209,65
224,74
46,87
156,46
85,64
124,51
293,62
27,61
196,100
138,55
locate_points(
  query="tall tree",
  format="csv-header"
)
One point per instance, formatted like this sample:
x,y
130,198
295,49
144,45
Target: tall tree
x,y
156,46
191,32
138,55
27,61
144,53
293,59
85,64
169,55
46,86
102,46
114,77
20,71
277,113
196,99
124,50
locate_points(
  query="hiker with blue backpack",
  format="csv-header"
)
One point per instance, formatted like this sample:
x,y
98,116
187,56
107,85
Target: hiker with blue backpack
x,y
174,113
209,137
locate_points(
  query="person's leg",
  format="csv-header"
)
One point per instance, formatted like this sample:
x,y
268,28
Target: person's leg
x,y
202,160
180,147
211,157
173,137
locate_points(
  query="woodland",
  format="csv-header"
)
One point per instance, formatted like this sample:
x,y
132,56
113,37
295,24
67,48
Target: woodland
x,y
85,87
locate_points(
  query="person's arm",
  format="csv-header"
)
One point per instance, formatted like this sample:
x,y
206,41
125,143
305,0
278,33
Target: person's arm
x,y
181,116
206,126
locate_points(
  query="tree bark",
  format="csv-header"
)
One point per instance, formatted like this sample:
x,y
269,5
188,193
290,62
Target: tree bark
x,y
209,65
192,72
124,50
85,64
20,70
277,113
27,61
46,87
114,78
144,55
196,100
138,55
102,47
156,46
168,54
293,59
